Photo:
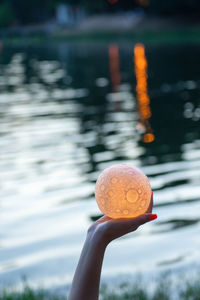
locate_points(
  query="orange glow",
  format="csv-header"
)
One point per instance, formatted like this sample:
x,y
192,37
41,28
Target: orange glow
x,y
114,65
122,192
148,137
140,63
143,2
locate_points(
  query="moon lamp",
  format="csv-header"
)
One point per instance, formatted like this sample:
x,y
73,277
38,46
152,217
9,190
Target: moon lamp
x,y
123,192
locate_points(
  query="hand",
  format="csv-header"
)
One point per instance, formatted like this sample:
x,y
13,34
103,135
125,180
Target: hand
x,y
100,234
110,229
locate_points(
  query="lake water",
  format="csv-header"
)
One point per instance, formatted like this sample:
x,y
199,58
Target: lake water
x,y
69,110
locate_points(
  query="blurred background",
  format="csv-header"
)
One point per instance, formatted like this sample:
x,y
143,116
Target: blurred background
x,y
84,85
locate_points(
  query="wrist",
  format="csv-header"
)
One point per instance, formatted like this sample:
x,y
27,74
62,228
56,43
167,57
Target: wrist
x,y
98,236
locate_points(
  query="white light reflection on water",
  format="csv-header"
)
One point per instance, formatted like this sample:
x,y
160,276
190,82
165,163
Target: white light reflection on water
x,y
56,138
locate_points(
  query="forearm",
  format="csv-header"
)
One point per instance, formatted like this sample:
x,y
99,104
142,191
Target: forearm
x,y
85,285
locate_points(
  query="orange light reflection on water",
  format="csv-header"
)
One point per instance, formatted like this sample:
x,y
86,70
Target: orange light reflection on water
x,y
140,63
114,65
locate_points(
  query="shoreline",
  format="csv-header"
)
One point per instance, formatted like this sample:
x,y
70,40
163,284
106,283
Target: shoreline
x,y
114,28
171,37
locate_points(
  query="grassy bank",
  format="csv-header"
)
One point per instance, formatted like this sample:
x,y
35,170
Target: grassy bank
x,y
163,290
177,35
173,35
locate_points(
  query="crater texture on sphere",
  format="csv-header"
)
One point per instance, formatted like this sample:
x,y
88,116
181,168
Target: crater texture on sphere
x,y
123,192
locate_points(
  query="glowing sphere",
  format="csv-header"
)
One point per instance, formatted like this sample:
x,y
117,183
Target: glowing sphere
x,y
123,192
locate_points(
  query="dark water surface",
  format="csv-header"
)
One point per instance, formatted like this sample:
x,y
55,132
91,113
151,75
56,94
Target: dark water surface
x,y
69,110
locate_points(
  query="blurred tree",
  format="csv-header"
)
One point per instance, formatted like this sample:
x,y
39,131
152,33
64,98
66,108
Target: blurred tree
x,y
34,11
174,7
7,15
37,10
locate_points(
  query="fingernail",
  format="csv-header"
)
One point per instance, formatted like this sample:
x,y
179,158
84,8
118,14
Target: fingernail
x,y
152,217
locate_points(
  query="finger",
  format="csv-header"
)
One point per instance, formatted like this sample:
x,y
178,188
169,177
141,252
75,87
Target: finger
x,y
149,210
143,219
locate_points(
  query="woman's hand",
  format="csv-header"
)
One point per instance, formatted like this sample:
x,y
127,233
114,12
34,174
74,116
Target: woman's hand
x,y
85,285
110,229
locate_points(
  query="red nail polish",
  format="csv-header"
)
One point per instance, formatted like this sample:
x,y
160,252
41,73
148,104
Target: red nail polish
x,y
152,217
